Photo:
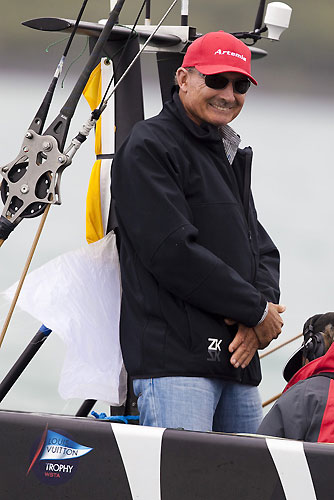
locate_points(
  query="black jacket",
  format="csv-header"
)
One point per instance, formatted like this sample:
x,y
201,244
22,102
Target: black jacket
x,y
192,251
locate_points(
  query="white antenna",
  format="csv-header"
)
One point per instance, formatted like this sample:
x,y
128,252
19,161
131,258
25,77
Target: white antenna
x,y
277,19
184,12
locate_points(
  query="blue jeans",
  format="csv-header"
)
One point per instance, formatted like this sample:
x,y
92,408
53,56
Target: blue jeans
x,y
199,404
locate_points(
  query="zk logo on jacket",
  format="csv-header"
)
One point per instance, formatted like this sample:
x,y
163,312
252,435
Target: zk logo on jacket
x,y
56,457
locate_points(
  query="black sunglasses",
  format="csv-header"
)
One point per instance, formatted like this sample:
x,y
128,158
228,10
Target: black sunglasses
x,y
219,82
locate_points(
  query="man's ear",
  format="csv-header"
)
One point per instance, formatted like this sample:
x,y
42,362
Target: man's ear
x,y
182,76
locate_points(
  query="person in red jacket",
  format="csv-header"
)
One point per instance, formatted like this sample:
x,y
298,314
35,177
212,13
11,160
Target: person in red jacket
x,y
305,411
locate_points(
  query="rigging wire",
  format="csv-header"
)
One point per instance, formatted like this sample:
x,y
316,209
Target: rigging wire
x,y
47,97
60,125
105,100
99,110
59,128
74,61
37,124
75,27
43,110
57,42
95,115
40,117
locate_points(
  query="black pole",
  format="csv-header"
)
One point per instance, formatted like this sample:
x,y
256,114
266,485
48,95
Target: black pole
x,y
38,122
59,127
259,15
85,408
184,20
148,10
23,360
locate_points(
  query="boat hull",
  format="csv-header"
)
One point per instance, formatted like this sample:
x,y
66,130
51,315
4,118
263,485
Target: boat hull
x,y
53,457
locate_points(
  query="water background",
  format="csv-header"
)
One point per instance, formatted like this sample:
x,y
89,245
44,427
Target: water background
x,y
293,176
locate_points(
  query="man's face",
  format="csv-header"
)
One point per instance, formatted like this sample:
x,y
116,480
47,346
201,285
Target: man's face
x,y
203,104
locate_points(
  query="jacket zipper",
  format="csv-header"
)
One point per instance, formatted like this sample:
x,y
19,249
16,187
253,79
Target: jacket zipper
x,y
244,199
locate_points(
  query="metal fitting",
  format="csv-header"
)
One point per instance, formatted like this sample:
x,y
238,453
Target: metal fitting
x,y
47,146
24,189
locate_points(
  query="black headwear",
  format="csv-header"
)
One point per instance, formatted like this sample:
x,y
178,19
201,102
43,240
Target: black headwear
x,y
313,345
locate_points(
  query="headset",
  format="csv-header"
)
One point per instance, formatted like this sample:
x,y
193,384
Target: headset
x,y
314,344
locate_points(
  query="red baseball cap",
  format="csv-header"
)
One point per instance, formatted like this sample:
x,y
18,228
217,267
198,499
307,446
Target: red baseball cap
x,y
219,52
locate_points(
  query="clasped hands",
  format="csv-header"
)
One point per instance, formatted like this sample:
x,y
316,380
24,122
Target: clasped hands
x,y
248,340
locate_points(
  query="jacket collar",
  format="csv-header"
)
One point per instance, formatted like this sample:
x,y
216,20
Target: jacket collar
x,y
320,365
205,131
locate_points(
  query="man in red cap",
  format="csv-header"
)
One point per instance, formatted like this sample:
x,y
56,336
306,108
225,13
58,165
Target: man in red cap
x,y
200,275
214,67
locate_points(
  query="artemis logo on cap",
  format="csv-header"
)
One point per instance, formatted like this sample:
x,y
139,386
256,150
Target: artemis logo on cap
x,y
229,53
219,52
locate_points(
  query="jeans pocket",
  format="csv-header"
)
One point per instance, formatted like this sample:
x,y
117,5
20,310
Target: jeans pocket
x,y
136,384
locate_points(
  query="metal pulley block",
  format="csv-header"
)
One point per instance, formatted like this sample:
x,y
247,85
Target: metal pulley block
x,y
32,180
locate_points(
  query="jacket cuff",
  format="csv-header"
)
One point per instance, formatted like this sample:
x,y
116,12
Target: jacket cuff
x,y
264,315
